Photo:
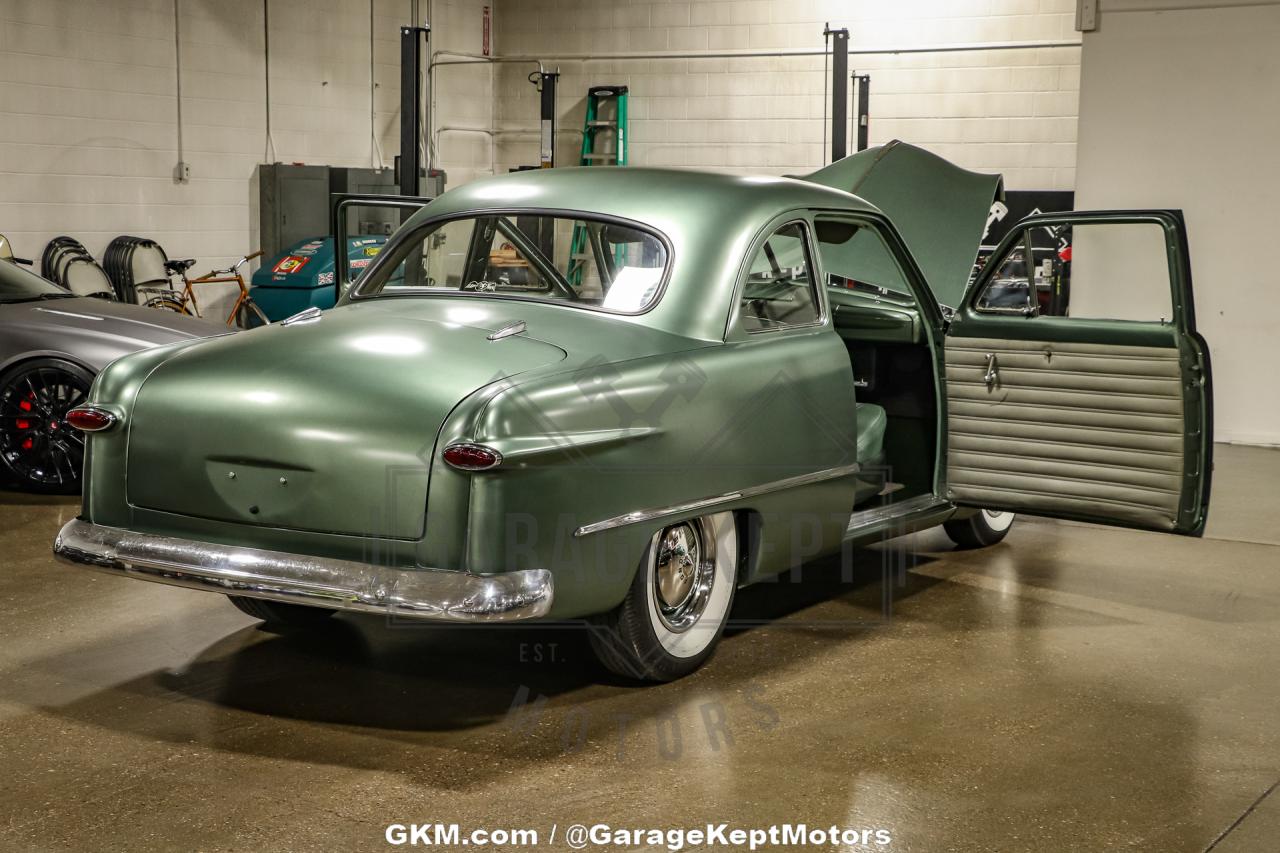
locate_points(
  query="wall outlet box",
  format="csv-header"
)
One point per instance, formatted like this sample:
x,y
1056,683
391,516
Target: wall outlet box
x,y
182,172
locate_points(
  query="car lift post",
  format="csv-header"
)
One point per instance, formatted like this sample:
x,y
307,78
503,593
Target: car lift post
x,y
864,108
411,42
546,82
839,92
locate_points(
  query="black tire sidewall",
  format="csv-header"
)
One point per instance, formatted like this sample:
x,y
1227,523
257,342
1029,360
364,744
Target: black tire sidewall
x,y
626,642
974,531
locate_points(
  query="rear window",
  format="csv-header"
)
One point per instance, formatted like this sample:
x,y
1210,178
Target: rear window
x,y
589,263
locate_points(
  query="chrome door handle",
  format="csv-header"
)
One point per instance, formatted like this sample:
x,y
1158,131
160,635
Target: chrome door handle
x,y
993,372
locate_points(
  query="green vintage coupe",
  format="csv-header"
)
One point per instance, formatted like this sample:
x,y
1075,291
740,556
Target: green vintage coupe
x,y
620,394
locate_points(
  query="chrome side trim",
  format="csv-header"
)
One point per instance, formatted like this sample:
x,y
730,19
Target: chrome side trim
x,y
508,330
651,514
75,314
431,594
675,509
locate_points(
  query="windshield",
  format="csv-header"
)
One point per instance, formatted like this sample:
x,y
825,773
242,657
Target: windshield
x,y
588,263
18,285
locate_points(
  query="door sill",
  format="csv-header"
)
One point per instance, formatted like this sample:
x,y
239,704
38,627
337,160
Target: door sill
x,y
876,517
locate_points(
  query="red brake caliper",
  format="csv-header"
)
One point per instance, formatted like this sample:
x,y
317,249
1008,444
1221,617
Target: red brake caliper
x,y
25,405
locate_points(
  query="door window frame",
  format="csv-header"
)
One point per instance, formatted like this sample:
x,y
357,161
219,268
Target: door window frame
x,y
1172,226
1178,333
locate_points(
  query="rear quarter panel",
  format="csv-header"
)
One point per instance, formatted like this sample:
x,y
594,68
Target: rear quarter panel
x,y
612,438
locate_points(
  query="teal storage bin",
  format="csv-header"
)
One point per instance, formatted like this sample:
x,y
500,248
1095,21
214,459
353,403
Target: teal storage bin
x,y
303,275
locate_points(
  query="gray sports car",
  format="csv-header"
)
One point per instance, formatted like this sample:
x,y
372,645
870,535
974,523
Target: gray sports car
x,y
52,344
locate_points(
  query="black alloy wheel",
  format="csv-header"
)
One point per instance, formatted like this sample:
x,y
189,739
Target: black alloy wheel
x,y
38,448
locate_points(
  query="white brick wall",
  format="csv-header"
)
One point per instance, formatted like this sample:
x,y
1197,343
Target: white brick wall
x,y
87,106
88,137
1198,134
1009,110
463,93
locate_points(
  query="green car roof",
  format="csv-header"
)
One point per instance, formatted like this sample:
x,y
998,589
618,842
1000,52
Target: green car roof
x,y
709,219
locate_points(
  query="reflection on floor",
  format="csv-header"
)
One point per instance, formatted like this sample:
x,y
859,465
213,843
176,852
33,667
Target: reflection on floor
x,y
1073,688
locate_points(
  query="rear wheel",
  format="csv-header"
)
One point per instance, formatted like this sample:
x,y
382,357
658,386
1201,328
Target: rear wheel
x,y
38,448
168,303
281,614
678,603
984,527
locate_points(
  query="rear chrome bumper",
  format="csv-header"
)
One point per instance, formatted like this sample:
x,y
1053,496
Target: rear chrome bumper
x,y
432,594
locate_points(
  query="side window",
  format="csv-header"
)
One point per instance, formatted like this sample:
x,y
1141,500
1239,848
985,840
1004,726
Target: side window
x,y
779,290
440,261
1102,270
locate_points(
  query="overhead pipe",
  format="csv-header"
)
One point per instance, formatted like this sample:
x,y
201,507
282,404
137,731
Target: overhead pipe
x,y
433,132
784,52
464,58
375,147
181,172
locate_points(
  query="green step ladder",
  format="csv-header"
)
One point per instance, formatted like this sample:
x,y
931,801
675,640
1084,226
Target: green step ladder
x,y
599,123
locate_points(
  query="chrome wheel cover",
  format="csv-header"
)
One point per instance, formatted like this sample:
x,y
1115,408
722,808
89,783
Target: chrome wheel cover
x,y
684,574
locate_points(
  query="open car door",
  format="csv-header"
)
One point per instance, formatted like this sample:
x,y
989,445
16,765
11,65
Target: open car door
x,y
358,215
1077,386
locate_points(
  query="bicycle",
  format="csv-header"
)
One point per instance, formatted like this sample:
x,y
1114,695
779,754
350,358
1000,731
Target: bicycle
x,y
184,301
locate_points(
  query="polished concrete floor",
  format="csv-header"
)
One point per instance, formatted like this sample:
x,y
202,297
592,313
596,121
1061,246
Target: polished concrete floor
x,y
1075,688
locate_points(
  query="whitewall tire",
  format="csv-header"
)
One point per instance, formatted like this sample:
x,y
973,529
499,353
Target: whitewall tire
x,y
985,527
678,603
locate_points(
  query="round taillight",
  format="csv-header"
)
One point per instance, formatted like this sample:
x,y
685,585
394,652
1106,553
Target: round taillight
x,y
472,457
89,419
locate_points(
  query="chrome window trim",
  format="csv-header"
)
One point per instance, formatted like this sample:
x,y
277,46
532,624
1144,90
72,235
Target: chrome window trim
x,y
817,291
641,515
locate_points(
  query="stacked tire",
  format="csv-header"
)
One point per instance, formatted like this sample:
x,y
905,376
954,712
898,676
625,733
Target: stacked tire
x,y
68,264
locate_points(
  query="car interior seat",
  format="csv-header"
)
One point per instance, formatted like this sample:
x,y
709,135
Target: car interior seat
x,y
872,420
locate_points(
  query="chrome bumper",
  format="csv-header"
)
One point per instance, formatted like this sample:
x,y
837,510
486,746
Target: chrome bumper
x,y
431,594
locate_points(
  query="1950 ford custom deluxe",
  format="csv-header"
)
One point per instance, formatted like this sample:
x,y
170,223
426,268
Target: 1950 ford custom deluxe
x,y
622,393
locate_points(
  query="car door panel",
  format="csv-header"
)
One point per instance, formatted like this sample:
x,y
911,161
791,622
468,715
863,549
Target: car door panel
x,y
1100,427
1096,420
